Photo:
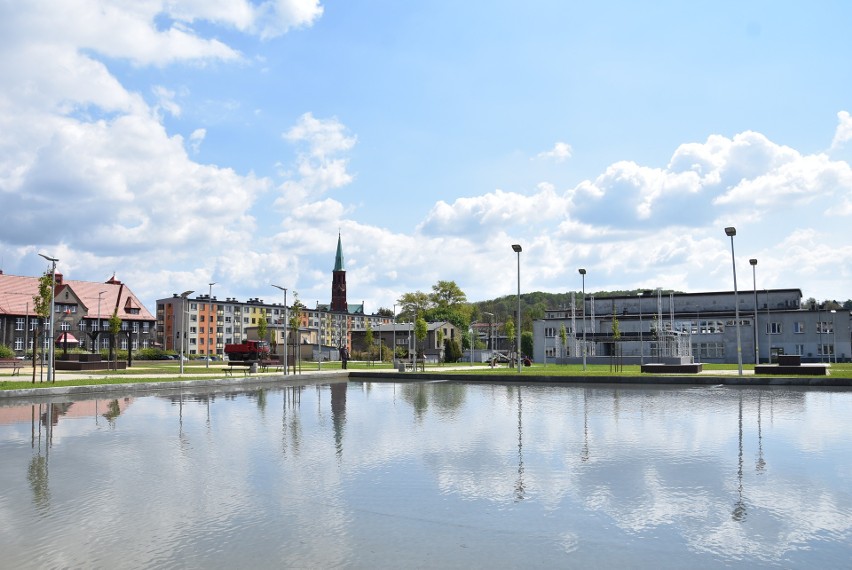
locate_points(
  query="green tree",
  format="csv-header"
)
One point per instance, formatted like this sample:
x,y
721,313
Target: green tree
x,y
452,352
368,339
262,326
412,305
295,323
509,331
563,339
447,294
114,326
527,343
421,330
41,307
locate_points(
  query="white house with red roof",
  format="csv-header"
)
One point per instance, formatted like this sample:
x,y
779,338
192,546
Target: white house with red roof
x,y
82,309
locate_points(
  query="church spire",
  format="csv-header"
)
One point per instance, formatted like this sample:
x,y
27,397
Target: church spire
x,y
338,282
338,259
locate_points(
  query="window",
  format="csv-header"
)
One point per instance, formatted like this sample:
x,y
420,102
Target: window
x,y
798,327
193,306
19,324
800,349
19,343
824,328
773,328
63,326
708,350
192,330
145,327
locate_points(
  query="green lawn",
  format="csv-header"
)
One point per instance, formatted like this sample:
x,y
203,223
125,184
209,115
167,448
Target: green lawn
x,y
166,371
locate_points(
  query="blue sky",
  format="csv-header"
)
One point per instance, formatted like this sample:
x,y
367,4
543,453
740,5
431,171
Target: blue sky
x,y
179,143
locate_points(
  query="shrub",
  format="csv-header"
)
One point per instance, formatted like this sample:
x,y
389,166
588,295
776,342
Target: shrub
x,y
6,352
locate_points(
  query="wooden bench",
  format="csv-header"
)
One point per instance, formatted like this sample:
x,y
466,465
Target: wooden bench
x,y
265,365
239,365
14,364
409,367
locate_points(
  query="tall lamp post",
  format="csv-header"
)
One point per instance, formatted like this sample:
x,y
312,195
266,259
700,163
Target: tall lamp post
x,y
213,328
731,232
100,294
517,249
285,326
753,263
833,336
583,274
641,339
393,349
183,297
50,353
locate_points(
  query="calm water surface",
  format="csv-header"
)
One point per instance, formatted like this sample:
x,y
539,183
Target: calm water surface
x,y
436,475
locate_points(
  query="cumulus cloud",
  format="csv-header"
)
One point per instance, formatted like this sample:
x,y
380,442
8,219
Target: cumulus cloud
x,y
843,133
560,152
319,166
483,214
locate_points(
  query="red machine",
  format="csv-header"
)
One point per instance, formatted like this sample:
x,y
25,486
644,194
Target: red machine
x,y
248,350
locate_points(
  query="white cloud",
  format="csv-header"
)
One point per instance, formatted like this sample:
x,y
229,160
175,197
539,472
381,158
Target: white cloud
x,y
843,133
318,169
196,138
560,152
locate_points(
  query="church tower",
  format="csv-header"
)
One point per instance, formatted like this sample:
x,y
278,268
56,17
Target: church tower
x,y
338,282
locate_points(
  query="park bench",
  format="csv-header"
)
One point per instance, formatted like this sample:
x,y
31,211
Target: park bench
x,y
243,365
12,363
265,365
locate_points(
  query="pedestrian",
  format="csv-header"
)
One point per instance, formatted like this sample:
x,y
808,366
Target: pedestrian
x,y
344,356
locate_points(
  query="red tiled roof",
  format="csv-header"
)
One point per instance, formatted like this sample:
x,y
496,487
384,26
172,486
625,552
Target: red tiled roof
x,y
16,297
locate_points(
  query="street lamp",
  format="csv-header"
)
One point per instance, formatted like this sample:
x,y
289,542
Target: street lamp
x,y
489,338
517,249
210,315
285,326
583,274
753,263
641,340
731,232
833,336
393,350
183,297
100,294
53,261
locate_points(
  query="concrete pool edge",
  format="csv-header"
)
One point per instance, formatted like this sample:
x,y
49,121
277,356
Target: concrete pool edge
x,y
661,380
207,384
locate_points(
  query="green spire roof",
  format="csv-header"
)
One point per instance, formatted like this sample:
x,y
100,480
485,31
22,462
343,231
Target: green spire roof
x,y
338,259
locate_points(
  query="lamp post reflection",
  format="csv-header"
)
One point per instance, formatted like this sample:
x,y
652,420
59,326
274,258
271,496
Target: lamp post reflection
x,y
760,466
520,489
739,512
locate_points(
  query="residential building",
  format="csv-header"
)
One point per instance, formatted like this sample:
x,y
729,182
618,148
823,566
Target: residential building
x,y
402,336
208,324
82,310
702,325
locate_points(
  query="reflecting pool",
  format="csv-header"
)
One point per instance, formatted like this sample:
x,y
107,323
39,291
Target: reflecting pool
x,y
430,475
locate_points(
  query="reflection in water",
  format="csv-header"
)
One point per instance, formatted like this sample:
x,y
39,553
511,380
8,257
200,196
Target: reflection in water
x,y
338,414
446,475
760,466
739,512
519,485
